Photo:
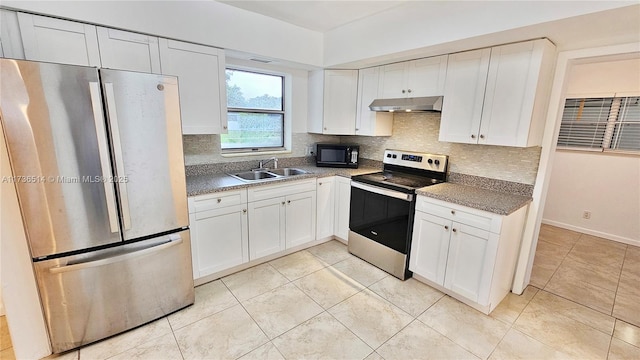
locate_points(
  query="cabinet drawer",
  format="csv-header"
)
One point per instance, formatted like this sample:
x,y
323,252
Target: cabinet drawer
x,y
281,189
217,200
462,214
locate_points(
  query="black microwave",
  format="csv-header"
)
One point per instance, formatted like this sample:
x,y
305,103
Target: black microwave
x,y
337,155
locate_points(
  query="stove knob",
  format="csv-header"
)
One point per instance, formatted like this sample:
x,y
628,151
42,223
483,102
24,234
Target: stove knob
x,y
395,156
430,161
437,162
388,155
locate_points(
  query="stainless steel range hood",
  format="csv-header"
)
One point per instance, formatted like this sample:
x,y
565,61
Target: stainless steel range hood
x,y
430,103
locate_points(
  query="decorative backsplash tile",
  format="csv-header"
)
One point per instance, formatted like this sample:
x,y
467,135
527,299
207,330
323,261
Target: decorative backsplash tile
x,y
205,149
419,132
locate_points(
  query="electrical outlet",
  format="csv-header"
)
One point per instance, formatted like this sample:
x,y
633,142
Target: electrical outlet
x,y
309,150
586,214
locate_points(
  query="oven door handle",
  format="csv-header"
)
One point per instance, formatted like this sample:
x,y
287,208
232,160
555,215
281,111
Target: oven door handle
x,y
383,191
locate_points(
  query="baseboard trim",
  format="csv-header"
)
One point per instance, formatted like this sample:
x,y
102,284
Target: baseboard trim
x,y
620,239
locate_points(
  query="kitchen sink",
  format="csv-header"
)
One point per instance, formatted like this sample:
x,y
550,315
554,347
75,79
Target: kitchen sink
x,y
287,171
267,174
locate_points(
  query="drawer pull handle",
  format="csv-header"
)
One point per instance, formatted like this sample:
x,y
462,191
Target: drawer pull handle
x,y
453,212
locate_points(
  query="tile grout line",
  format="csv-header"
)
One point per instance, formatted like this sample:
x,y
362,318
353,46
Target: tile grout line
x,y
624,259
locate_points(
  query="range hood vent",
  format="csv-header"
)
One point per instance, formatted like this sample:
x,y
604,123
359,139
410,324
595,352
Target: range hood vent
x,y
430,103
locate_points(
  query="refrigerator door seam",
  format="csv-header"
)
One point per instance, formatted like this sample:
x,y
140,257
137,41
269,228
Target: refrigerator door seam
x,y
117,151
115,259
98,117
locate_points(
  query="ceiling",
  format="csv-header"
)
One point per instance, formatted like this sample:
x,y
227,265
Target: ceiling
x,y
315,15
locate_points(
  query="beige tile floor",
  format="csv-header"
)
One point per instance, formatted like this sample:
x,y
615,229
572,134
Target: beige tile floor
x,y
324,303
600,274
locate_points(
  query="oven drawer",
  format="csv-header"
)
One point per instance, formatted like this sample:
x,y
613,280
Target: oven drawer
x,y
477,218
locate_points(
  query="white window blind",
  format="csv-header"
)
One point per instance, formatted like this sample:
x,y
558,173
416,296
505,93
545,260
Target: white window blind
x,y
601,124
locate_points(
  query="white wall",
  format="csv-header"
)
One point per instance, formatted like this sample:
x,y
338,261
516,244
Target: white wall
x,y
204,22
606,184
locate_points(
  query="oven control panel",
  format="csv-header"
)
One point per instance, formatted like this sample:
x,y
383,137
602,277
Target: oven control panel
x,y
424,161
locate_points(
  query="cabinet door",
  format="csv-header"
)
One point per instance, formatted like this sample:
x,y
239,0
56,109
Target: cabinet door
x,y
430,246
125,50
59,41
325,208
464,96
343,205
469,263
203,92
393,82
426,77
10,40
221,239
267,227
371,123
300,218
510,94
340,101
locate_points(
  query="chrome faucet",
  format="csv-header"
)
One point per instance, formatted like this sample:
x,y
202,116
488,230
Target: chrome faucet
x,y
265,162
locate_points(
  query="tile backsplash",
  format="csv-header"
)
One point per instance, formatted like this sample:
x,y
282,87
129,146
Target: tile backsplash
x,y
419,132
411,131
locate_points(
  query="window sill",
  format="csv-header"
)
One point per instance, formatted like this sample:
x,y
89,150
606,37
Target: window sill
x,y
232,154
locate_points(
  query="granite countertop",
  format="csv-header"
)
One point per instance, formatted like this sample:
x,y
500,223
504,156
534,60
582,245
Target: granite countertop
x,y
210,183
475,197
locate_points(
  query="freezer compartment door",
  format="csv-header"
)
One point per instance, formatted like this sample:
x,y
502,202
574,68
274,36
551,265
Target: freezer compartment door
x,y
92,296
56,136
143,113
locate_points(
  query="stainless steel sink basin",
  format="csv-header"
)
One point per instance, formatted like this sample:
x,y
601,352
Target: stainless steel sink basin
x,y
253,175
287,171
264,175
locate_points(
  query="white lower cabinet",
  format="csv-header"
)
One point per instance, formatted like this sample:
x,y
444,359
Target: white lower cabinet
x,y
469,254
325,200
219,231
342,207
281,216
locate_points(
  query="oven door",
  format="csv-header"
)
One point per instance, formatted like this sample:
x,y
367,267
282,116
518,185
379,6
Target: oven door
x,y
382,215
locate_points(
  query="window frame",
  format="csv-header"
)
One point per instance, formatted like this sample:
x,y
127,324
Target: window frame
x,y
613,120
283,112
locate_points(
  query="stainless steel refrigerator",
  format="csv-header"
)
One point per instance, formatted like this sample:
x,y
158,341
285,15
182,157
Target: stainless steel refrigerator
x,y
99,171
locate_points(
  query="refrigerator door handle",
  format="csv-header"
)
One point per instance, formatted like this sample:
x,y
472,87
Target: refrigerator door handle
x,y
117,152
101,134
174,240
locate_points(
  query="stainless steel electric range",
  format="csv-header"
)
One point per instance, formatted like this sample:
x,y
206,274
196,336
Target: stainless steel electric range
x,y
383,205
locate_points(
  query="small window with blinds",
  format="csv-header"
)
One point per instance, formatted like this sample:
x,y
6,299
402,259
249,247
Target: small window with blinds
x,y
601,124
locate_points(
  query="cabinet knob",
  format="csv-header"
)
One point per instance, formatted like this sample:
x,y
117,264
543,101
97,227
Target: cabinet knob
x,y
288,201
225,127
453,212
454,230
446,227
325,128
481,136
357,129
283,203
409,91
473,136
403,91
244,211
320,184
219,201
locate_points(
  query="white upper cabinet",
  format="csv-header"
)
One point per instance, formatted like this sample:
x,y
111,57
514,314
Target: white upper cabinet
x,y
464,96
201,79
59,41
332,102
416,78
371,123
10,40
125,50
498,96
